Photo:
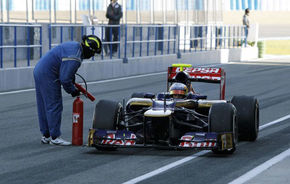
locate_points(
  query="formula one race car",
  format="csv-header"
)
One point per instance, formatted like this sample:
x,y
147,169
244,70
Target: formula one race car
x,y
178,118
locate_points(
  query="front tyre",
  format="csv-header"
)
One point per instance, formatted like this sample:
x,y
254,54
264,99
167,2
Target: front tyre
x,y
222,118
248,117
107,116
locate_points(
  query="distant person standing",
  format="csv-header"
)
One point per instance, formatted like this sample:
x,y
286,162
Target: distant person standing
x,y
246,23
114,14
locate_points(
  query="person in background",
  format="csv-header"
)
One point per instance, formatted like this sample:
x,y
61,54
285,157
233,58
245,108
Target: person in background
x,y
55,69
246,23
114,14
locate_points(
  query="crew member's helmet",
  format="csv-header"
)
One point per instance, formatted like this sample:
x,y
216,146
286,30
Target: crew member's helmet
x,y
91,45
178,90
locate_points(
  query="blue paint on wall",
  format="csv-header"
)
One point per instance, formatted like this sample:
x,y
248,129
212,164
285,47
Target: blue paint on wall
x,y
256,5
250,4
232,4
243,5
237,4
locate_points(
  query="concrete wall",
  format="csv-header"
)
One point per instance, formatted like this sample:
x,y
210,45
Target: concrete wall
x,y
244,54
22,78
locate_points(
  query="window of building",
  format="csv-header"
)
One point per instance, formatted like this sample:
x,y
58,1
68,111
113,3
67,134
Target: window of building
x,y
41,5
131,5
84,4
145,5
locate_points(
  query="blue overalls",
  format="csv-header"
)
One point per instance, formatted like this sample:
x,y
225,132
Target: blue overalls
x,y
56,68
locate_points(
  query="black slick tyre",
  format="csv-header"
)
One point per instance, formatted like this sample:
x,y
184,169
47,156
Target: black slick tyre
x,y
222,118
107,116
247,117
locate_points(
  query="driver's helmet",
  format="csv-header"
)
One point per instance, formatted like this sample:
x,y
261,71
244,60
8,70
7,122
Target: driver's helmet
x,y
178,90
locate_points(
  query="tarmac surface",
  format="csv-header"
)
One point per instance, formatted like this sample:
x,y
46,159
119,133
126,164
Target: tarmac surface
x,y
276,171
24,160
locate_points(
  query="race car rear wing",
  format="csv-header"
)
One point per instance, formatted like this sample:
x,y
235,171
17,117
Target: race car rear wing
x,y
199,74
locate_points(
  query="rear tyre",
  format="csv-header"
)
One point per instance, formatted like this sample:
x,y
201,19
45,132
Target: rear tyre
x,y
222,118
107,116
247,117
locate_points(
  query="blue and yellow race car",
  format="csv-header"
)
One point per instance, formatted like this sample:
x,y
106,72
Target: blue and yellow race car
x,y
178,118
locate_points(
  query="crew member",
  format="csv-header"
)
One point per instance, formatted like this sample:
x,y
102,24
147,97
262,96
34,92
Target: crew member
x,y
55,69
114,14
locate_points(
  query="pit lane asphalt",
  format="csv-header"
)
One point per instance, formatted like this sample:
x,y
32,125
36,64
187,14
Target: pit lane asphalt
x,y
24,160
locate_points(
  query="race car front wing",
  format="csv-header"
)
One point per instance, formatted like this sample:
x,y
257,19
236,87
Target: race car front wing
x,y
193,140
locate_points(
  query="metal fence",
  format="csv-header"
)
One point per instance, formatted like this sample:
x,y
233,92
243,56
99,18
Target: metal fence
x,y
22,45
154,40
19,44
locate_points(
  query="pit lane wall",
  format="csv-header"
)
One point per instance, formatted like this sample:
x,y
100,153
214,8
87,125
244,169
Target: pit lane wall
x,y
22,78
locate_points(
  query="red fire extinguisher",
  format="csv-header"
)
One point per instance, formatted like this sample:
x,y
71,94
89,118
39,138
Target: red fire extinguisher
x,y
77,129
77,116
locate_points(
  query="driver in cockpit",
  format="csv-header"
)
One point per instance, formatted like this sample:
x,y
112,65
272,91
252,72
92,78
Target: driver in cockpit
x,y
183,77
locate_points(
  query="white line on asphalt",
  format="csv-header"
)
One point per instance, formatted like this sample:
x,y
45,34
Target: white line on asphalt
x,y
274,122
254,172
165,168
186,159
15,92
96,82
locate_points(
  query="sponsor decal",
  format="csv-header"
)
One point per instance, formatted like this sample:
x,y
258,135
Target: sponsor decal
x,y
206,77
111,139
227,141
76,116
187,137
200,73
200,70
198,140
200,134
206,144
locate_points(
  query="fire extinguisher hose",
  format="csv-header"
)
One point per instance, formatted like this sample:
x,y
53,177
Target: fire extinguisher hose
x,y
84,90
